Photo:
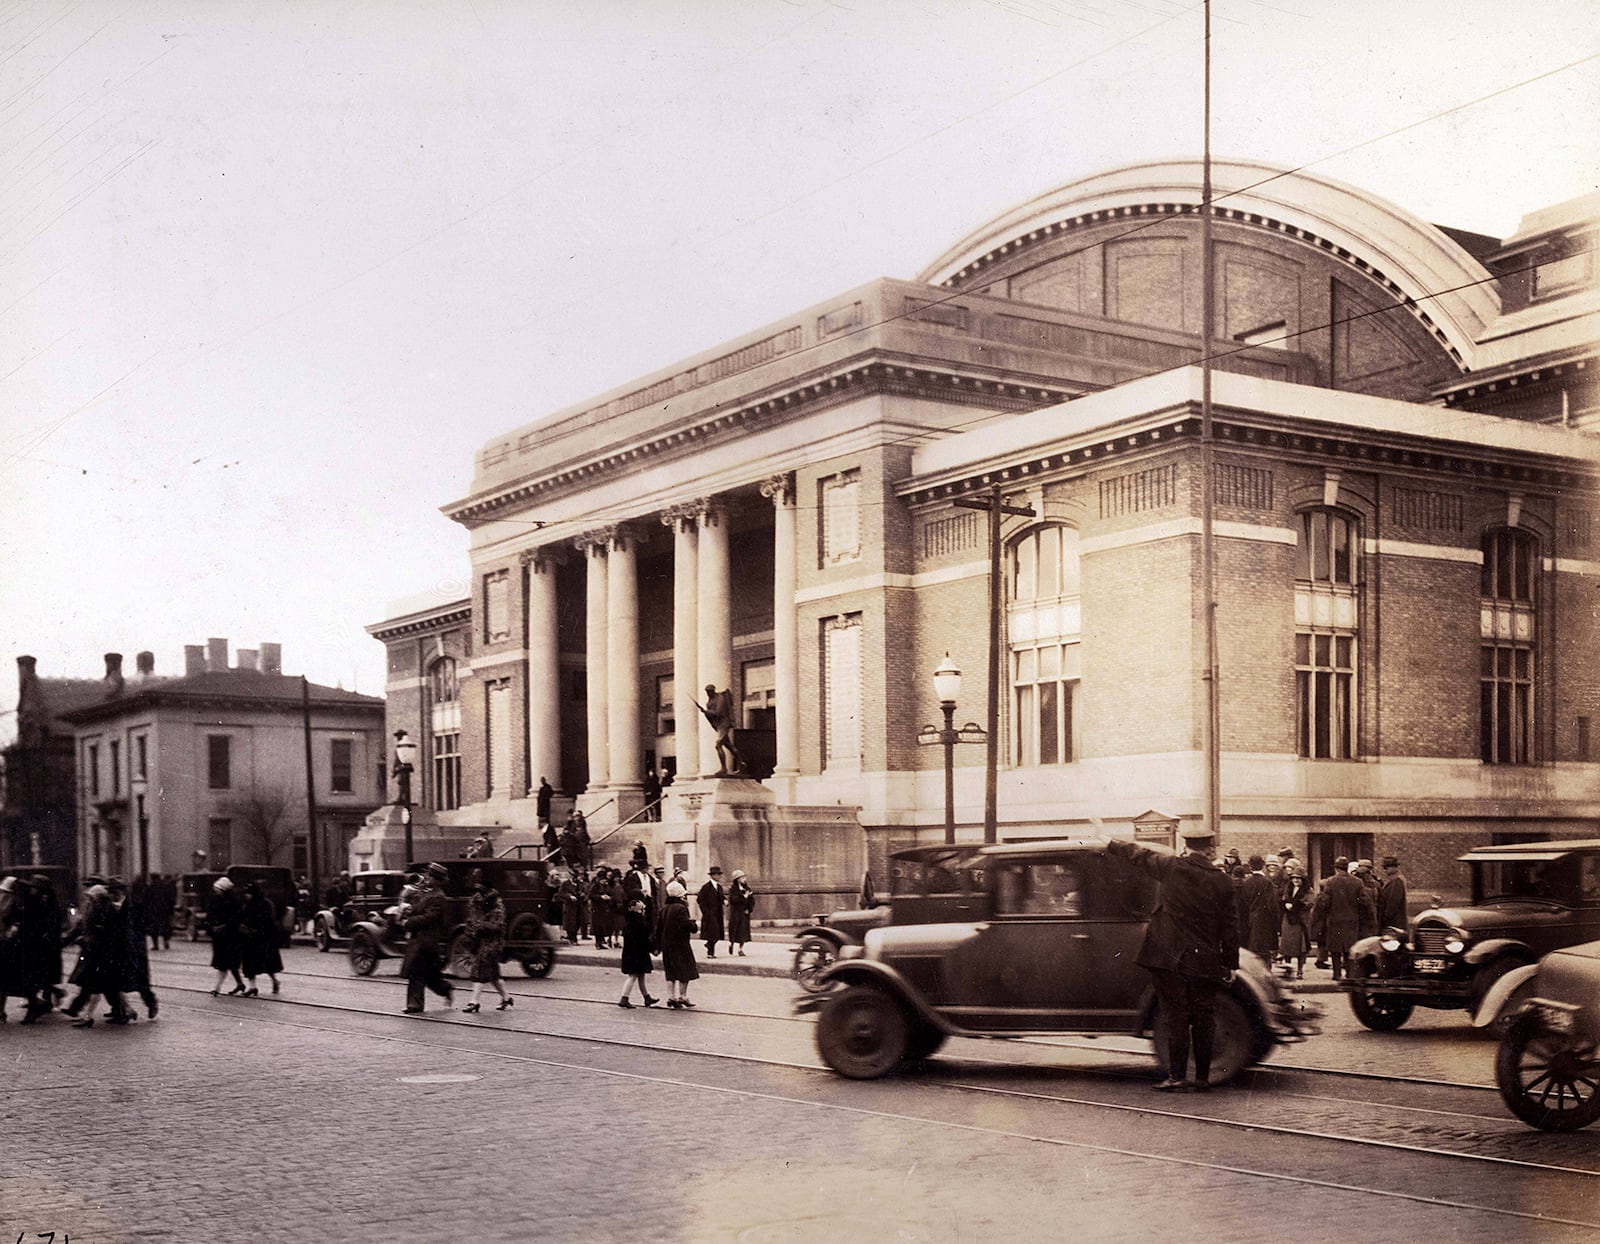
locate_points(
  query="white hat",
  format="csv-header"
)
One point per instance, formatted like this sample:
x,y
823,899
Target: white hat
x,y
737,873
1353,867
675,889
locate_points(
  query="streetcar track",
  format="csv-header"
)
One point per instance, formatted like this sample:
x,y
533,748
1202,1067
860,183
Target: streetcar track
x,y
1086,1044
452,1019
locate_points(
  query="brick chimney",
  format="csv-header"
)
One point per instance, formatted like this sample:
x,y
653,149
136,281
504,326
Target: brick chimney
x,y
245,659
272,658
113,679
194,660
146,662
27,675
216,654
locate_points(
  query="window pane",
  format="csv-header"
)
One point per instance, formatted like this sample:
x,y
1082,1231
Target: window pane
x,y
1524,661
1502,579
1028,665
1024,578
1339,530
1302,683
1068,694
1342,646
1049,664
1322,644
1486,722
1319,547
1342,717
1069,561
1050,561
1302,649
1502,661
1049,734
1521,697
1502,725
1027,727
1486,663
1302,552
1321,724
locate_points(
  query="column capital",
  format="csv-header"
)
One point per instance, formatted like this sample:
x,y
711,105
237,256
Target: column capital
x,y
780,488
544,559
682,517
594,542
623,537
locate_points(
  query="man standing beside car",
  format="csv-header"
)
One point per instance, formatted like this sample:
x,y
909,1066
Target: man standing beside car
x,y
1392,896
1191,949
423,966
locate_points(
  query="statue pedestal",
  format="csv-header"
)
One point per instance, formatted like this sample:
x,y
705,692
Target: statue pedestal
x,y
382,840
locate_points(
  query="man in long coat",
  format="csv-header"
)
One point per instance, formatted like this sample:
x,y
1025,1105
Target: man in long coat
x,y
1258,900
1346,905
1191,948
712,898
423,966
1392,910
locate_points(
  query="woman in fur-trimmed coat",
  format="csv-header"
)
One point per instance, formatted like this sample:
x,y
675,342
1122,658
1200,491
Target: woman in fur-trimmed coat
x,y
486,932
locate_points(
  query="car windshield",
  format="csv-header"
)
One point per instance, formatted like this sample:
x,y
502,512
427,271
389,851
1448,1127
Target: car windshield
x,y
1552,881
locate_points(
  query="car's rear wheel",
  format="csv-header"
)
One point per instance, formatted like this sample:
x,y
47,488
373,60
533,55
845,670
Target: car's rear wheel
x,y
1233,1047
364,953
319,931
862,1033
1381,1012
538,962
811,958
460,962
1548,1080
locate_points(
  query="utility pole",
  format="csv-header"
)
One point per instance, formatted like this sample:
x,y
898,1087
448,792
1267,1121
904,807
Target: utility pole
x,y
996,506
311,795
1210,733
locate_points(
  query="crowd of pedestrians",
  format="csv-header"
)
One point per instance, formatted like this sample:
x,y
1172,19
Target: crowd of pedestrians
x,y
1282,915
109,931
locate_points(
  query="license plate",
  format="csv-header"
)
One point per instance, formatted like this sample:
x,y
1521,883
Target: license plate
x,y
1429,965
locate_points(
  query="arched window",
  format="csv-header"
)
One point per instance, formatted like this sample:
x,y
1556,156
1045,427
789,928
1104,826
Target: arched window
x,y
1508,619
1327,574
444,737
1044,625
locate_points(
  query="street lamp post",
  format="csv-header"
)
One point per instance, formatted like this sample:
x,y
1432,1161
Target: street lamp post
x,y
947,686
140,785
405,759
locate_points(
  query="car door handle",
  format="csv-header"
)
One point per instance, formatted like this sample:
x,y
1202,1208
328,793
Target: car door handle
x,y
1080,937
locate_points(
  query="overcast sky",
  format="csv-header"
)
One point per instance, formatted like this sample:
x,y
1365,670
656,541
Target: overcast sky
x,y
270,273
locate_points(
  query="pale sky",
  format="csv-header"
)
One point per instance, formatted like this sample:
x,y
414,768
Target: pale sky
x,y
270,273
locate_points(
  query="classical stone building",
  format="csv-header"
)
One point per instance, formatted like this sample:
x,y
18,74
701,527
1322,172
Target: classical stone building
x,y
1405,563
221,753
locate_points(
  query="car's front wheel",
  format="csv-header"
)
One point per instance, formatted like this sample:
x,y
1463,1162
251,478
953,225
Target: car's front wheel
x,y
1233,1046
1381,1012
811,958
460,962
862,1033
364,954
1548,1080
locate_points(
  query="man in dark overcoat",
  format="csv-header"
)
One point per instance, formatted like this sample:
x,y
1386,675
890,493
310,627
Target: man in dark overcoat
x,y
1347,906
712,899
1191,948
1392,910
423,966
1258,898
542,801
40,946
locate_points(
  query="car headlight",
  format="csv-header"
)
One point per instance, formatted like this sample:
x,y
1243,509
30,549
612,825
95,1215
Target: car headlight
x,y
1455,946
1389,943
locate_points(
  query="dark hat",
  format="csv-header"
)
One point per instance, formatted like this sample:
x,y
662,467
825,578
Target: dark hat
x,y
1197,833
1285,853
438,870
1390,861
715,871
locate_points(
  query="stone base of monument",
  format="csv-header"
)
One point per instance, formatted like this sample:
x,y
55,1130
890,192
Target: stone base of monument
x,y
382,840
801,858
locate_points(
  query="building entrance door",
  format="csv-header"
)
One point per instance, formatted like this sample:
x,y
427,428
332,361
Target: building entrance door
x,y
1325,848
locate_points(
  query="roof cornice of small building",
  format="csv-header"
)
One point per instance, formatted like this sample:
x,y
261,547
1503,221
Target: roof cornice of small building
x,y
1160,410
440,617
205,691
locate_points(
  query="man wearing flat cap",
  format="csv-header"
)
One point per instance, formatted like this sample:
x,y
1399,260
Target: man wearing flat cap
x,y
423,966
1191,948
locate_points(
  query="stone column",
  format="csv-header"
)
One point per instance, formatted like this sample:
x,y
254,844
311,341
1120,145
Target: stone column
x,y
685,638
713,612
593,545
622,660
785,651
544,669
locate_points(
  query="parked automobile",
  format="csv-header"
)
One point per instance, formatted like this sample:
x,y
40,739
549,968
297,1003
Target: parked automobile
x,y
1548,1064
370,893
1527,899
1015,939
194,894
524,888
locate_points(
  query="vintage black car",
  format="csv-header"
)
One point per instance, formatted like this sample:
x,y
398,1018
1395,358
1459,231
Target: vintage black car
x,y
1034,938
371,893
524,887
1548,1064
1527,899
922,890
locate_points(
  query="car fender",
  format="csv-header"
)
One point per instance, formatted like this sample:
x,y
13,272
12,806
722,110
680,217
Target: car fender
x,y
881,976
1495,1000
1498,948
824,932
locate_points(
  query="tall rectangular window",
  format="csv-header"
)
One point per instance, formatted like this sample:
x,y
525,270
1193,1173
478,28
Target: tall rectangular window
x,y
1507,658
841,690
666,715
141,756
219,843
340,766
498,730
92,763
218,761
839,504
1327,621
116,766
497,606
446,771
